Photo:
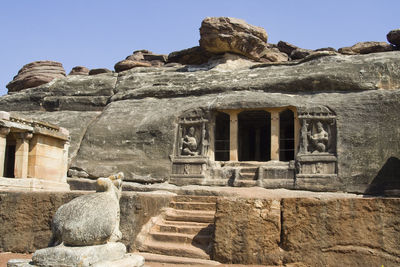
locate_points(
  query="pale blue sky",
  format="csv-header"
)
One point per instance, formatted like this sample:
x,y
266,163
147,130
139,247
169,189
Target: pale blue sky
x,y
96,33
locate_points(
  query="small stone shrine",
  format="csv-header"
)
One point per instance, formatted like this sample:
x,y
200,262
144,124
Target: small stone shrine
x,y
33,154
86,232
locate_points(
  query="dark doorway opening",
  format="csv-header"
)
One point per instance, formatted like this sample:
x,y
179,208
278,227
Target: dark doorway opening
x,y
221,145
9,161
286,135
254,135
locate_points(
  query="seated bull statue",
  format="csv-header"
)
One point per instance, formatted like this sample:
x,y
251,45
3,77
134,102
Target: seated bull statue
x,y
90,219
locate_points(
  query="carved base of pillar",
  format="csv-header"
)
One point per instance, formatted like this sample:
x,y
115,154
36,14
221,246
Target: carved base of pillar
x,y
188,170
31,184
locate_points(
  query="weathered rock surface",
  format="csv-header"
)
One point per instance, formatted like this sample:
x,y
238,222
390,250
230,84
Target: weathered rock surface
x,y
223,34
79,70
26,217
35,74
129,64
366,48
393,37
191,56
147,57
286,47
247,232
300,53
274,55
312,231
99,71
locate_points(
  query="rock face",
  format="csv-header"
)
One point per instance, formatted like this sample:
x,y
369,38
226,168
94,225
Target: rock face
x,y
35,74
243,237
311,231
90,219
79,70
222,34
133,114
393,37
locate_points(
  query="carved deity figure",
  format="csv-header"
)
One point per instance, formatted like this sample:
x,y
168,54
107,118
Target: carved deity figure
x,y
319,139
304,137
189,143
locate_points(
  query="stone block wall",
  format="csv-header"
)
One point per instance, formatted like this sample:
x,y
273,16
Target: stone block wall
x,y
315,232
25,218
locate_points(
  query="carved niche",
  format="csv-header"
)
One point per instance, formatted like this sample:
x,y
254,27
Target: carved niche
x,y
191,146
317,151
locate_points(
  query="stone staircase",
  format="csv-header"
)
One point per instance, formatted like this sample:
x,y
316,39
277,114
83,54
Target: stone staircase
x,y
184,229
247,177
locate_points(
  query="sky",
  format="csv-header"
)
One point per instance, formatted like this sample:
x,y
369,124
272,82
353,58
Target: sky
x,y
98,34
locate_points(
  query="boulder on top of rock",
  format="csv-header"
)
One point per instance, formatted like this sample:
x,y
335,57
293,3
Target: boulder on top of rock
x,y
128,64
393,37
35,74
79,70
147,56
99,71
286,47
366,48
223,34
191,56
274,55
300,53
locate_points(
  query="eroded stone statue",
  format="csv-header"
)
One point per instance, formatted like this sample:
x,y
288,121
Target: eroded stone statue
x,y
319,139
90,219
189,143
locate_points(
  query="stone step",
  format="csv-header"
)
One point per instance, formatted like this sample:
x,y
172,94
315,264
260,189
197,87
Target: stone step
x,y
189,215
174,260
175,249
245,183
193,239
193,205
190,198
188,228
248,176
249,170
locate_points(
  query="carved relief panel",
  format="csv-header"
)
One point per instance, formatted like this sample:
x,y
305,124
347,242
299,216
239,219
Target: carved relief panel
x,y
191,147
317,151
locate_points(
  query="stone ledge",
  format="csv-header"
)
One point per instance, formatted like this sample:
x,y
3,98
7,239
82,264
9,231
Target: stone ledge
x,y
31,184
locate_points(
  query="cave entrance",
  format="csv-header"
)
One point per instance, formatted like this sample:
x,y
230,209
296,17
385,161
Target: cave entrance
x,y
9,161
222,136
254,142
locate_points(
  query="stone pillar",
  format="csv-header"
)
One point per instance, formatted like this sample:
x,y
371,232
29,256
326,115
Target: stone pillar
x,y
233,135
274,135
296,133
3,142
21,155
65,161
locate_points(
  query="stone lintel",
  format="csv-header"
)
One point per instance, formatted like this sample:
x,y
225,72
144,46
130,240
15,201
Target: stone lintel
x,y
32,184
316,157
189,159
